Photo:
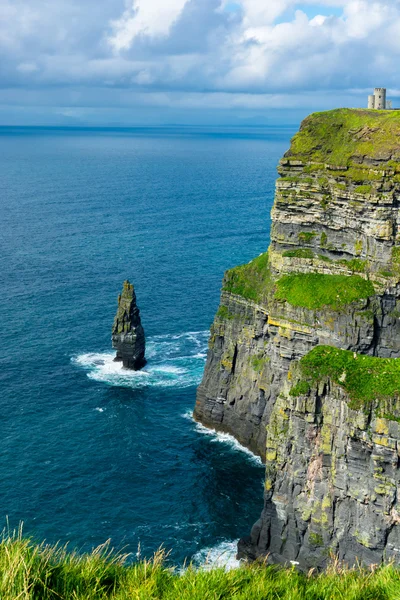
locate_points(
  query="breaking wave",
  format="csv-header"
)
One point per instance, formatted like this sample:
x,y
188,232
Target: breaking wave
x,y
226,438
221,555
173,361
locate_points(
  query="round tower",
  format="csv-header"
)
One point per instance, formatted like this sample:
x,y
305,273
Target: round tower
x,y
371,101
380,98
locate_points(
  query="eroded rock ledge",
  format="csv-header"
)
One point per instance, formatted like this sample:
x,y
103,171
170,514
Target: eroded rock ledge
x,y
330,278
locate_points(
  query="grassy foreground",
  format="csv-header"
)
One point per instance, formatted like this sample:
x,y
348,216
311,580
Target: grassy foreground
x,y
41,572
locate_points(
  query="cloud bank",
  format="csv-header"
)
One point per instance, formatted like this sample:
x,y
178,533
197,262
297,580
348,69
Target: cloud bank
x,y
77,56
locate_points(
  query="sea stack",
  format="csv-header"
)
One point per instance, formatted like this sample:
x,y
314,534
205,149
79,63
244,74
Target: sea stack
x,y
127,332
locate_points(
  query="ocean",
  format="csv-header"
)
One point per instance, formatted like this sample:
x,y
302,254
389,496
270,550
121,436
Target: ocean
x,y
90,452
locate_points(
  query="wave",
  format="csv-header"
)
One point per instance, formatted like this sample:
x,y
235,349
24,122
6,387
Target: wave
x,y
173,361
221,555
225,438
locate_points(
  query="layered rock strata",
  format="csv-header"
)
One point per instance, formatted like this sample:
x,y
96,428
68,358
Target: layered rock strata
x,y
331,278
332,468
127,333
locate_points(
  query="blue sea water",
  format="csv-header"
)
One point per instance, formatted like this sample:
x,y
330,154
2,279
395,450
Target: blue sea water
x,y
90,452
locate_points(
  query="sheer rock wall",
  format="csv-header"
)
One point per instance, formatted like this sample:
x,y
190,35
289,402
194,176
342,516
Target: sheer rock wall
x,y
336,213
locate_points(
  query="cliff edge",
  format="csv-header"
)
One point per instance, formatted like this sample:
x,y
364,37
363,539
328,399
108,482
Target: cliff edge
x,y
302,364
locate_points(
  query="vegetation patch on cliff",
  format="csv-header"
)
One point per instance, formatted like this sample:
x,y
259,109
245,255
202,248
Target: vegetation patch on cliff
x,y
364,378
316,290
224,313
299,253
252,281
335,137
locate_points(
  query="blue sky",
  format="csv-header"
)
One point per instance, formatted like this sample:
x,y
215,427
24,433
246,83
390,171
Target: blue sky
x,y
310,11
133,62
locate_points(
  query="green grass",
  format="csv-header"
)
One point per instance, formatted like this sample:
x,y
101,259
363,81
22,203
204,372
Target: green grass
x,y
358,175
396,260
258,362
252,281
355,264
316,290
300,389
306,236
335,137
223,312
299,253
325,258
363,189
291,179
39,572
323,239
364,378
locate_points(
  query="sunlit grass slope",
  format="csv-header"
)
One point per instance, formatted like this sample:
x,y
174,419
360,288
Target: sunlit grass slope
x,y
340,136
41,572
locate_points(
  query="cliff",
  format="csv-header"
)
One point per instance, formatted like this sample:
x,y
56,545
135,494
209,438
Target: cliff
x,y
127,332
302,356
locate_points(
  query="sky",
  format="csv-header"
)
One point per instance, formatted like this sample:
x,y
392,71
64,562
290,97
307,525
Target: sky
x,y
158,62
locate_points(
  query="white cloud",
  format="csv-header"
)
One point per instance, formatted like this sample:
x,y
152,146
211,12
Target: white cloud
x,y
144,17
363,18
263,13
246,50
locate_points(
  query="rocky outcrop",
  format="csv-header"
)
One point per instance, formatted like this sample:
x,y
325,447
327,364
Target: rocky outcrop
x,y
333,473
329,279
127,333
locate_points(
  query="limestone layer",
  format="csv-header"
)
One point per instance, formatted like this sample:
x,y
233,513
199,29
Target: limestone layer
x,y
330,278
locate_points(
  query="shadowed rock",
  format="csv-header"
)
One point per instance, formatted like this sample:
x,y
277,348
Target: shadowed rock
x,y
127,333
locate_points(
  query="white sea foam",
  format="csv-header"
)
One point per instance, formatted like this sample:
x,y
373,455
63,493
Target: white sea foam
x,y
225,438
221,555
173,361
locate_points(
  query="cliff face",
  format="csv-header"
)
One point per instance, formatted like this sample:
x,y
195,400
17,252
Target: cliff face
x,y
331,279
332,475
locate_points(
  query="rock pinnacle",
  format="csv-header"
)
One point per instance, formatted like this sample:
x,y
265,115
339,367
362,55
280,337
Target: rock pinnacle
x,y
127,333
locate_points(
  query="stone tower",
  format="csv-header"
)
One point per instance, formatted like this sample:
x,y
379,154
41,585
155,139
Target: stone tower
x,y
127,332
371,101
380,98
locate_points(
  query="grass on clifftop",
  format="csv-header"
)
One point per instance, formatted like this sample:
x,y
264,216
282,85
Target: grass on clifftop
x,y
364,378
335,137
252,281
316,290
32,572
309,290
